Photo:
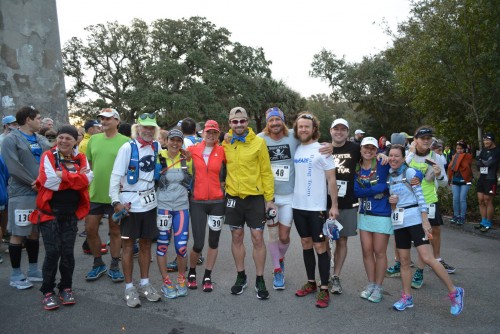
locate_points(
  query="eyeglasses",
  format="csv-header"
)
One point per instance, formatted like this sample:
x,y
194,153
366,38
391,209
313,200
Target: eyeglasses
x,y
239,121
146,116
307,116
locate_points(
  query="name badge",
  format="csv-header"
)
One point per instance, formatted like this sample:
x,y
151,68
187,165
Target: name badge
x,y
398,216
21,217
483,170
341,188
432,211
164,222
281,172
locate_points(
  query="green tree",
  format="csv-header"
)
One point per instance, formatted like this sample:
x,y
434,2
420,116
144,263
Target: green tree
x,y
447,62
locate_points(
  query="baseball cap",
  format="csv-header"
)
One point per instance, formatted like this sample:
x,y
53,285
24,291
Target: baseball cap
x,y
90,123
147,119
359,132
398,139
175,133
489,136
8,119
423,132
406,135
211,125
369,141
340,121
110,112
238,112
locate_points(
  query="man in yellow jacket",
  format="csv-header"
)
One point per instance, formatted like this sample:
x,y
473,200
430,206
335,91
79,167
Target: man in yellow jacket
x,y
249,195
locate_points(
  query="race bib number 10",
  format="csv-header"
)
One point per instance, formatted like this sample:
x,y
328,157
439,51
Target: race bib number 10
x,y
21,217
164,222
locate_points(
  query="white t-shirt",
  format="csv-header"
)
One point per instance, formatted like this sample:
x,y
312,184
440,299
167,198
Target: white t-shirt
x,y
310,191
141,195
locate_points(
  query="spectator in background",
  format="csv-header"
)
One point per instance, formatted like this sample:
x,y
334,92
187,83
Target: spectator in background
x,y
448,153
460,177
4,198
188,128
408,138
382,144
47,123
91,127
125,129
8,122
358,136
163,138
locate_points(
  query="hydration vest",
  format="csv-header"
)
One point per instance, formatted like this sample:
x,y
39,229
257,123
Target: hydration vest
x,y
133,166
188,178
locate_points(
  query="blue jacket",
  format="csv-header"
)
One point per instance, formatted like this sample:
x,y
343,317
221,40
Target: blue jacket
x,y
4,177
373,191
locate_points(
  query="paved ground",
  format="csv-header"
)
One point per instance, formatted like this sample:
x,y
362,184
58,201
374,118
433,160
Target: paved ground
x,y
101,308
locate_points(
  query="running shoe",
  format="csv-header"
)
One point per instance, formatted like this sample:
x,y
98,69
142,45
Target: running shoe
x,y
66,296
323,299
95,273
132,297
181,286
336,286
485,228
260,287
405,302
83,234
448,268
21,284
394,271
306,289
367,292
460,221
116,275
49,301
207,285
239,285
454,220
376,295
147,291
278,280
168,289
457,301
418,279
192,282
35,276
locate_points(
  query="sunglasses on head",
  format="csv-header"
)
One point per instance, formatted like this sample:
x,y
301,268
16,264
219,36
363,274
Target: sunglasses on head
x,y
146,116
423,132
307,116
239,121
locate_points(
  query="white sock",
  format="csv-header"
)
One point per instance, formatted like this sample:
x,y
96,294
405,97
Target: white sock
x,y
128,285
144,281
439,259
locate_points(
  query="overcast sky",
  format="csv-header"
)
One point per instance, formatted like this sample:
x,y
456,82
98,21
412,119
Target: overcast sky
x,y
290,32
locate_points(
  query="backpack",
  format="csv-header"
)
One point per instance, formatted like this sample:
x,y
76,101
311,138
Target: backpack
x,y
194,139
57,159
133,166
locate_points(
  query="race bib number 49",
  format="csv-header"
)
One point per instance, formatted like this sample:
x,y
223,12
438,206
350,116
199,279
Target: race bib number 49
x,y
21,217
398,216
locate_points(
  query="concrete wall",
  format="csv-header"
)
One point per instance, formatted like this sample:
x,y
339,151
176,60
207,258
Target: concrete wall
x,y
31,71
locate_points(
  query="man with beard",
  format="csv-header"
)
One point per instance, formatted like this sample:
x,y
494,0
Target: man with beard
x,y
309,204
249,194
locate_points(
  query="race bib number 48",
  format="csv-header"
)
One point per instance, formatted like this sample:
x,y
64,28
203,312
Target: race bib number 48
x,y
281,172
21,217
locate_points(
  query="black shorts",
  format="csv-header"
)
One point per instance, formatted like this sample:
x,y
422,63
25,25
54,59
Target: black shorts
x,y
139,225
438,219
488,187
404,236
97,209
251,209
310,224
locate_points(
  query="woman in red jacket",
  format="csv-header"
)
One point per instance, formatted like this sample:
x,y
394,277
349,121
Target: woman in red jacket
x,y
62,199
460,177
207,201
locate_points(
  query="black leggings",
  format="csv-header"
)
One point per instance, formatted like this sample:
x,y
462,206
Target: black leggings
x,y
199,212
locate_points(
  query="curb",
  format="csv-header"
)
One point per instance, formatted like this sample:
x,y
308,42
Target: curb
x,y
468,227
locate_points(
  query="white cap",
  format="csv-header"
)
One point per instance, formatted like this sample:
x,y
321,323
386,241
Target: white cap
x,y
369,141
359,132
340,121
110,112
387,143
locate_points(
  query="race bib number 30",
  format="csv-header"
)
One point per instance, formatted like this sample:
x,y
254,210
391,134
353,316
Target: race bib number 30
x,y
397,216
281,172
21,217
215,222
164,222
341,188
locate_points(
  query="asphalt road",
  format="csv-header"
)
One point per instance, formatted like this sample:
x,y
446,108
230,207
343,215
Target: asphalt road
x,y
100,306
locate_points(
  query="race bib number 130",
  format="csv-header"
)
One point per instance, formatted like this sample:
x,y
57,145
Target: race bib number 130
x,y
21,217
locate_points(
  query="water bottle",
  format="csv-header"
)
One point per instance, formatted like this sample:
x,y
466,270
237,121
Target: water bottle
x,y
271,213
117,216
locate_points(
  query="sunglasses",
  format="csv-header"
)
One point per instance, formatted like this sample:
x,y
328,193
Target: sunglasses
x,y
146,116
307,116
240,121
423,132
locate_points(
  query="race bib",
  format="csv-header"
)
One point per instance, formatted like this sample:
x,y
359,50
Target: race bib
x,y
21,217
215,222
148,198
341,188
398,216
164,222
432,211
483,170
367,205
231,203
281,172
